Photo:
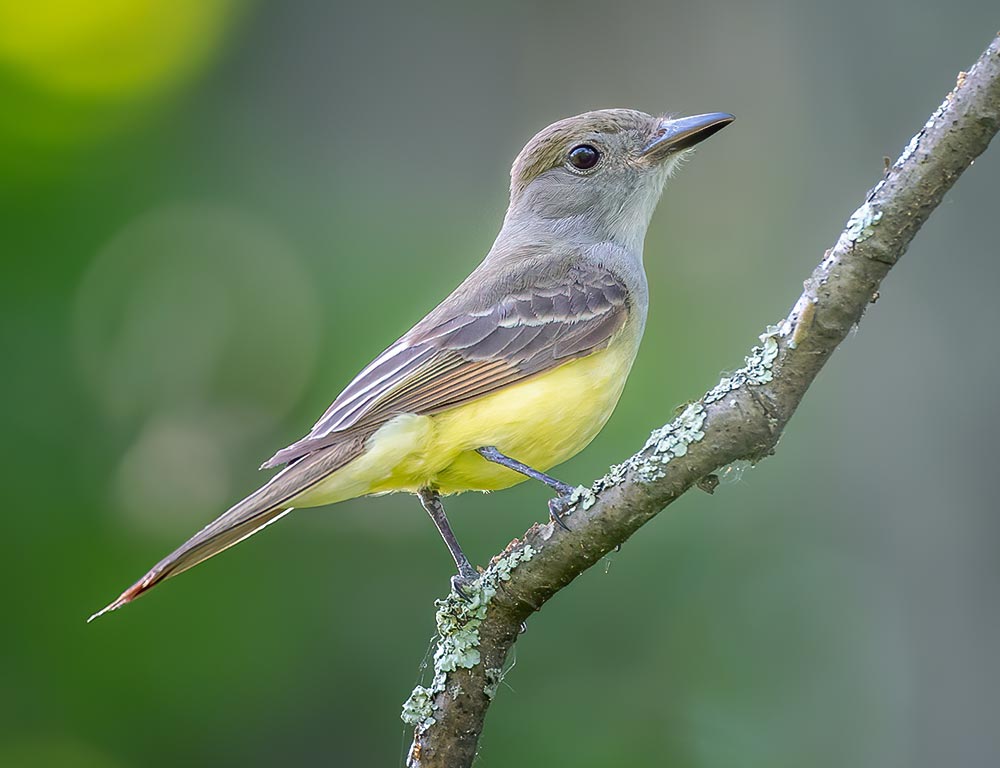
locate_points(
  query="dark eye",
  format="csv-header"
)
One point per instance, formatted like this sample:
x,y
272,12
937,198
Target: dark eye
x,y
584,157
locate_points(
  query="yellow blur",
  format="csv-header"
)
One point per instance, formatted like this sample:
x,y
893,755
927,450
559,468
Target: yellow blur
x,y
109,47
74,72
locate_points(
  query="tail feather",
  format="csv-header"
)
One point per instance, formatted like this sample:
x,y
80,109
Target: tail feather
x,y
231,528
258,510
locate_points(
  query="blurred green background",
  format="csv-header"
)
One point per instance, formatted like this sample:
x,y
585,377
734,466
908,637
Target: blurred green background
x,y
214,213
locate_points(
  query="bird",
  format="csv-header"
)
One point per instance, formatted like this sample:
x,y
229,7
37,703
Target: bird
x,y
513,373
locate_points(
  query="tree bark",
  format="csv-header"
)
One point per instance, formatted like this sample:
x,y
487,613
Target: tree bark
x,y
742,417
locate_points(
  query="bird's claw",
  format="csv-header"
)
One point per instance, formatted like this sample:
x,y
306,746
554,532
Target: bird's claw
x,y
461,582
557,507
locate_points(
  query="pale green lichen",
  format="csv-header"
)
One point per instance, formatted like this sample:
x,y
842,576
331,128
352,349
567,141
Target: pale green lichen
x,y
458,620
758,365
419,708
862,223
666,443
673,440
582,497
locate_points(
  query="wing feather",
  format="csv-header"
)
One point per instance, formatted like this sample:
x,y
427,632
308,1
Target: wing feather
x,y
465,355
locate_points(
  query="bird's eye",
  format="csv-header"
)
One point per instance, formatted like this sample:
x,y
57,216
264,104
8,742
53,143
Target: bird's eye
x,y
584,157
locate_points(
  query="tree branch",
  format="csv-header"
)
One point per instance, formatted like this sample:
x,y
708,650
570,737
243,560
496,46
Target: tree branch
x,y
742,417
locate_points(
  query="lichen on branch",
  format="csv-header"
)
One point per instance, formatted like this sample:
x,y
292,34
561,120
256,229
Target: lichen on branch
x,y
458,618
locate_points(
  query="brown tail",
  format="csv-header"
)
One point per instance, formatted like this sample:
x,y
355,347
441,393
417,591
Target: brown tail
x,y
256,511
243,520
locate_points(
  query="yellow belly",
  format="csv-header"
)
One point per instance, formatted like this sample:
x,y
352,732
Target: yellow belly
x,y
541,422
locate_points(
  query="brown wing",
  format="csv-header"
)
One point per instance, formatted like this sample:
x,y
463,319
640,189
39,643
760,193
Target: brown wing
x,y
466,355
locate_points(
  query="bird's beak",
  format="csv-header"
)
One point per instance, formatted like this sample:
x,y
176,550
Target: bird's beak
x,y
683,133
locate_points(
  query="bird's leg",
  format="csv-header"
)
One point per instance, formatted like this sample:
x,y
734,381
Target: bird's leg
x,y
556,506
492,454
431,501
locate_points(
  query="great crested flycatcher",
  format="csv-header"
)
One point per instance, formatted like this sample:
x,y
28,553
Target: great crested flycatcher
x,y
518,369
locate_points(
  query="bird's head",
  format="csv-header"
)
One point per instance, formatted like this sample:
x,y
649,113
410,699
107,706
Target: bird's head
x,y
600,174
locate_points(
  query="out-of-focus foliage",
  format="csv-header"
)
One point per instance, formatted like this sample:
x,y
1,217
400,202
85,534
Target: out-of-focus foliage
x,y
214,213
71,72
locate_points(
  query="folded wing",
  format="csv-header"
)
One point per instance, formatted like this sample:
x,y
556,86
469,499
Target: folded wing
x,y
468,354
